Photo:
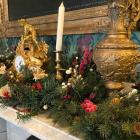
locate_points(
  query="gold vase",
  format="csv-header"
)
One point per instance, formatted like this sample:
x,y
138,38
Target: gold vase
x,y
116,56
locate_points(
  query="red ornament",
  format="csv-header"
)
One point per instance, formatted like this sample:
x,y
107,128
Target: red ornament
x,y
6,95
38,86
67,97
88,106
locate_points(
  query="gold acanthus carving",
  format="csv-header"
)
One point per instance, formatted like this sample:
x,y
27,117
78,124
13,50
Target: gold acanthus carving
x,y
129,10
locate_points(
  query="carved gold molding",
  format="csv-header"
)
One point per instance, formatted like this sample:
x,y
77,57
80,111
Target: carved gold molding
x,y
88,20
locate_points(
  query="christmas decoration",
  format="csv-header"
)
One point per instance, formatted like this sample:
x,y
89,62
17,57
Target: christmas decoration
x,y
30,52
88,106
45,107
5,92
115,101
79,102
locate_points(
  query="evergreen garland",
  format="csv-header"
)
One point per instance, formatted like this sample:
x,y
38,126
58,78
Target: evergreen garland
x,y
80,102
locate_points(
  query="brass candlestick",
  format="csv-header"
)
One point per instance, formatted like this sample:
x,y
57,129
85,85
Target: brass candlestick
x,y
58,65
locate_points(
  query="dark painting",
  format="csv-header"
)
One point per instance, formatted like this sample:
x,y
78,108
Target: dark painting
x,y
31,8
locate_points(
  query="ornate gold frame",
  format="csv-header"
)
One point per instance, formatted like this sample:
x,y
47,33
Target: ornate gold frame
x,y
86,20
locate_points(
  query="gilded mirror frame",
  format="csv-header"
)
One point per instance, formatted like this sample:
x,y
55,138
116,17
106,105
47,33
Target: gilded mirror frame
x,y
88,20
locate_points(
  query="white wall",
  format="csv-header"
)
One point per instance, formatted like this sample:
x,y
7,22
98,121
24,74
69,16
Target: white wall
x,y
16,133
3,130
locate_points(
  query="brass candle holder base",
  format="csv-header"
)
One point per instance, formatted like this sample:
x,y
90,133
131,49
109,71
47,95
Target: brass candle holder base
x,y
58,71
58,67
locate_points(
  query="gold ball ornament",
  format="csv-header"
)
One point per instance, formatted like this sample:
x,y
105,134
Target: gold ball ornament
x,y
115,101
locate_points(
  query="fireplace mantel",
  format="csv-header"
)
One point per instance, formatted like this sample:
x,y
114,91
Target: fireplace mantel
x,y
39,126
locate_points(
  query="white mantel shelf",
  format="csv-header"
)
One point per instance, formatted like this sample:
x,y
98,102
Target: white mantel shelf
x,y
39,126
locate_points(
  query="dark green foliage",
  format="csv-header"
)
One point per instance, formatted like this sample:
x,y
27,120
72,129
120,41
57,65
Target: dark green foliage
x,y
24,96
3,80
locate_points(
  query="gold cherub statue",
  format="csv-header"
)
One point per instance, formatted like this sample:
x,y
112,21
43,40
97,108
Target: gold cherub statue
x,y
33,52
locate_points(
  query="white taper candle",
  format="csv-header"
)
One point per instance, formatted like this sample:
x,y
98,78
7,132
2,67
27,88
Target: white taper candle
x,y
60,27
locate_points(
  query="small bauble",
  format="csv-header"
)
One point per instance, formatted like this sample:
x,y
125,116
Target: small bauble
x,y
70,68
45,107
63,84
77,66
91,70
69,84
137,99
68,71
115,101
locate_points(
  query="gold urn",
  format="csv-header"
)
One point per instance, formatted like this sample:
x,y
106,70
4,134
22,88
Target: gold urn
x,y
116,56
